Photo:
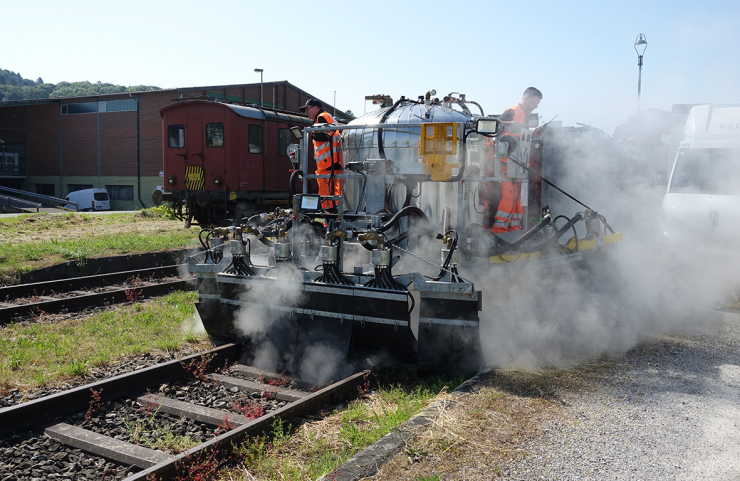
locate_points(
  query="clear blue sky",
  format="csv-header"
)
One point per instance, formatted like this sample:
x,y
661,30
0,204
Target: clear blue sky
x,y
580,54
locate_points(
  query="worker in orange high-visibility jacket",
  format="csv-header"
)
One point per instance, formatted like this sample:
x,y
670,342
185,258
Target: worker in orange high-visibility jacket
x,y
509,213
327,151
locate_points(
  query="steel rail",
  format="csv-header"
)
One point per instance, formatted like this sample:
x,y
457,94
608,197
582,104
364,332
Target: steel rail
x,y
333,393
8,314
48,408
45,413
74,283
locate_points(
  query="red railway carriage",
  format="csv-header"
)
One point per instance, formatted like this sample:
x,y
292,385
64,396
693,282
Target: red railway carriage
x,y
223,161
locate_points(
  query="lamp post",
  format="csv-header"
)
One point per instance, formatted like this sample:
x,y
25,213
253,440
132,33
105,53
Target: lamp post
x,y
262,97
640,43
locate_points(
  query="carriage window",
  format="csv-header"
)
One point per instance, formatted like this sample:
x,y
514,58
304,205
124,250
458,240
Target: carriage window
x,y
284,138
175,136
215,135
255,139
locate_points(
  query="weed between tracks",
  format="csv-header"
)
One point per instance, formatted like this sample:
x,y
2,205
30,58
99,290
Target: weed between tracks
x,y
43,353
313,447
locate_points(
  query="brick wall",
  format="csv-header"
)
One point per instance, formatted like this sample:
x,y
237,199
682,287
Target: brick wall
x,y
42,139
117,143
150,127
12,123
80,144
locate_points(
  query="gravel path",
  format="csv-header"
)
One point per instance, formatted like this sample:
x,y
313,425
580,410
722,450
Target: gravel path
x,y
668,410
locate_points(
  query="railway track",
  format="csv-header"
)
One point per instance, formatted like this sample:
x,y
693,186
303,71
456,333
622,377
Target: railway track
x,y
112,429
76,293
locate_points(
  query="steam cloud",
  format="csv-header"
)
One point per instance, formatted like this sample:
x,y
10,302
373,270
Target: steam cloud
x,y
640,286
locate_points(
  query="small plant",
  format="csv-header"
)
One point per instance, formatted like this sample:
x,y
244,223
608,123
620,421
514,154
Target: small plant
x,y
364,389
282,380
224,426
249,410
198,368
132,294
78,368
269,395
94,405
200,467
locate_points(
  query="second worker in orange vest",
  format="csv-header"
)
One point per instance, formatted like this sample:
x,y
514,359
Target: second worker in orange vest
x,y
327,151
509,214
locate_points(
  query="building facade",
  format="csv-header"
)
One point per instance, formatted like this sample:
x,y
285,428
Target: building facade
x,y
57,146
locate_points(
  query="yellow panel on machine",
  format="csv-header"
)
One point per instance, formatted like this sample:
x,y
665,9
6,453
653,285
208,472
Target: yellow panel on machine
x,y
583,245
194,178
439,140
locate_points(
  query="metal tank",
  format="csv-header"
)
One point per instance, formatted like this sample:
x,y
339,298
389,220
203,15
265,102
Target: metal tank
x,y
400,146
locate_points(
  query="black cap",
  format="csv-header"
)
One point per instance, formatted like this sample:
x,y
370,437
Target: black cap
x,y
312,102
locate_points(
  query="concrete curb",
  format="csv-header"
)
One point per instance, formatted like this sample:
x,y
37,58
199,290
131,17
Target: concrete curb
x,y
367,462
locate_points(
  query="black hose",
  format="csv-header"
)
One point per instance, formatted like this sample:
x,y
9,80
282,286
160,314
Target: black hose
x,y
293,177
381,149
446,263
408,210
362,193
502,246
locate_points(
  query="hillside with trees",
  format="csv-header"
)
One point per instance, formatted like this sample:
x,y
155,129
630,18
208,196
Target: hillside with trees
x,y
14,87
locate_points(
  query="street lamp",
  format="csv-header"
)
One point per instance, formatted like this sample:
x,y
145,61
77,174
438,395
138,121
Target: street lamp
x,y
262,97
640,43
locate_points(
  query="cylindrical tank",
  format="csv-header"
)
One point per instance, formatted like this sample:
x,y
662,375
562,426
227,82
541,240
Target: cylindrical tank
x,y
400,144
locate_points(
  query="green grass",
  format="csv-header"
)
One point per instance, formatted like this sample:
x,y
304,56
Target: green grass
x,y
305,453
48,238
41,353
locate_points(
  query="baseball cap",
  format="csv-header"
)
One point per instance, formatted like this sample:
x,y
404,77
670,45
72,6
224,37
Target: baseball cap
x,y
312,102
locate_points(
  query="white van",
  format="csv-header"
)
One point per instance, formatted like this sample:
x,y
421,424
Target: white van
x,y
89,200
701,208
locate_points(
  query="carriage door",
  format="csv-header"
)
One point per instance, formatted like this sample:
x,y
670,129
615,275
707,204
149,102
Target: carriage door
x,y
194,178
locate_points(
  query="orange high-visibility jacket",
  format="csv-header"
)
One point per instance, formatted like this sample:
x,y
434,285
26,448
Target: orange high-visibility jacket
x,y
326,144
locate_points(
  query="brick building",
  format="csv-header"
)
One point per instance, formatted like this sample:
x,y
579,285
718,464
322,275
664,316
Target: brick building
x,y
57,146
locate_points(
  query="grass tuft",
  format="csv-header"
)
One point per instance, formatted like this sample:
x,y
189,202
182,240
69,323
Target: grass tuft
x,y
42,352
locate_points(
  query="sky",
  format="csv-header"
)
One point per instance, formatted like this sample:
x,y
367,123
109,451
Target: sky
x,y
579,54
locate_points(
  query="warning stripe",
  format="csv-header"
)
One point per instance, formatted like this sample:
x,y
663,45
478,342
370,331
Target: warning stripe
x,y
194,178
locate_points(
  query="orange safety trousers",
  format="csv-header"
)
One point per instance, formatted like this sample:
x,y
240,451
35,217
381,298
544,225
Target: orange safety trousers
x,y
329,187
509,213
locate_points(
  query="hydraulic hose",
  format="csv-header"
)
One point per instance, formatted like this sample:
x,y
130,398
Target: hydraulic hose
x,y
293,178
501,246
381,149
408,210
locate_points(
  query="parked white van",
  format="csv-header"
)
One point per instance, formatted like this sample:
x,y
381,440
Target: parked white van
x,y
89,200
701,208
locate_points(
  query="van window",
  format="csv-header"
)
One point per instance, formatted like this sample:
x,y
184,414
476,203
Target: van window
x,y
707,171
255,139
215,135
175,136
100,196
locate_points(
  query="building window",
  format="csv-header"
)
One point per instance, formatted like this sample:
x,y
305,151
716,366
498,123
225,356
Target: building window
x,y
127,105
120,192
46,189
80,108
284,138
75,187
176,136
255,139
215,135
